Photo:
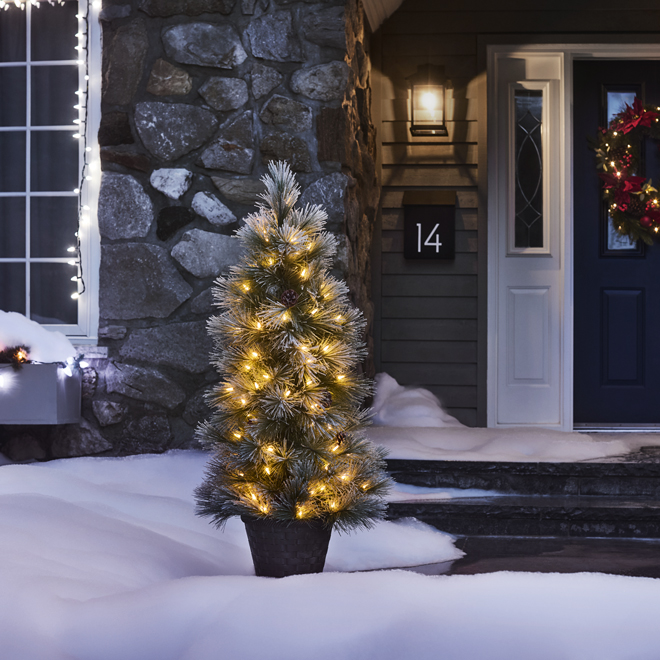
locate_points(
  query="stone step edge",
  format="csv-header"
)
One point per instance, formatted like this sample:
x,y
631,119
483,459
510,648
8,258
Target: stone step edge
x,y
420,467
503,512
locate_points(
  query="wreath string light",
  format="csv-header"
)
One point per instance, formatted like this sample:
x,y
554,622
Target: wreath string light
x,y
631,199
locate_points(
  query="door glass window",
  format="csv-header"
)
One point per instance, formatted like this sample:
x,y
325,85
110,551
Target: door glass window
x,y
528,168
616,101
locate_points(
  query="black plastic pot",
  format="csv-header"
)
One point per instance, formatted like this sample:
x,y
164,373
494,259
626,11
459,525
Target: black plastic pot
x,y
287,548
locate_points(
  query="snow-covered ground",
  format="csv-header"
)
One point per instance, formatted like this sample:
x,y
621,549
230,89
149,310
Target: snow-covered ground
x,y
104,559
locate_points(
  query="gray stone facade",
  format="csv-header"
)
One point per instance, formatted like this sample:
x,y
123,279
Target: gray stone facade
x,y
198,96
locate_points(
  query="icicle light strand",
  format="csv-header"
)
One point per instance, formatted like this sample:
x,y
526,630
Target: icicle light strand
x,y
80,124
83,110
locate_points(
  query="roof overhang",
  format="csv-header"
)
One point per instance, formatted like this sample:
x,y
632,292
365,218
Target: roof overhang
x,y
379,10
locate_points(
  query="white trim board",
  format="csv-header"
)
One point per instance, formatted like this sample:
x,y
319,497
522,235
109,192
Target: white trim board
x,y
544,402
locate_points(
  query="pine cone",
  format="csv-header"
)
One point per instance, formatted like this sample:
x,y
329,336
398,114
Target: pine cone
x,y
340,437
617,154
636,207
289,298
326,399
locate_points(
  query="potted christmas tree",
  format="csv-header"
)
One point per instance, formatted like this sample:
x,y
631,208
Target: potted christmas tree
x,y
289,457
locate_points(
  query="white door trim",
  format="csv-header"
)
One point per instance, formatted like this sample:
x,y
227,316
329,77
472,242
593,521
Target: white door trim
x,y
562,350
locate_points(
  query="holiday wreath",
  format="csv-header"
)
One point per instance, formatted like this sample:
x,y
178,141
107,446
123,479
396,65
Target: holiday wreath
x,y
631,199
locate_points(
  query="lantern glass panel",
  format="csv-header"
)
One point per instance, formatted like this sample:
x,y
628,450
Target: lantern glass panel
x,y
428,104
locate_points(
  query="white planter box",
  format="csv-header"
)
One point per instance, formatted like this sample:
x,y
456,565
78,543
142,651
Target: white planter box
x,y
39,394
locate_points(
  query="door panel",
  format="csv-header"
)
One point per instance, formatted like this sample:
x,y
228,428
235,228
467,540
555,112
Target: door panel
x,y
617,283
623,337
525,269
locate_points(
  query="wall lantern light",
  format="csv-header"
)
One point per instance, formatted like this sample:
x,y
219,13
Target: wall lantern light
x,y
427,88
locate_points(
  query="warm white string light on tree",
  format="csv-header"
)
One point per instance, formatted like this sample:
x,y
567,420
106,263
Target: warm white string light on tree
x,y
287,428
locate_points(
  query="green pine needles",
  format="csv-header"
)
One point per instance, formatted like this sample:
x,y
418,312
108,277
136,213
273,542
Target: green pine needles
x,y
287,424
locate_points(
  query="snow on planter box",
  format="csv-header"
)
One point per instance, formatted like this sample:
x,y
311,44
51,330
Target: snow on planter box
x,y
40,394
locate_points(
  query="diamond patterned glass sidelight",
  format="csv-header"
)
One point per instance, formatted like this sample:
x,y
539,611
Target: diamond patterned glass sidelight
x,y
528,168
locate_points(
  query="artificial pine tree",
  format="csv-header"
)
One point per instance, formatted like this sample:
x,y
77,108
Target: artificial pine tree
x,y
286,428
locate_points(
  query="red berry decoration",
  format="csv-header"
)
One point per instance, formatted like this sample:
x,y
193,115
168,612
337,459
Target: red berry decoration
x,y
645,221
289,298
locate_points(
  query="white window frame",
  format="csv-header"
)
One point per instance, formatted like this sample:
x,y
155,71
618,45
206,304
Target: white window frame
x,y
86,330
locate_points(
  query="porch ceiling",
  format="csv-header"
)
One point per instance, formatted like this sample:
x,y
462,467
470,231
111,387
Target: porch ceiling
x,y
378,10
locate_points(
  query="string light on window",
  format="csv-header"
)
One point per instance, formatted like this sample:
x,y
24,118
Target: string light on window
x,y
80,123
21,4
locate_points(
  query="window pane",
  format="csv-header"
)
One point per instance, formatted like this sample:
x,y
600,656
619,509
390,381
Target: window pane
x,y
12,288
53,224
50,294
617,101
12,96
12,35
54,161
12,226
54,32
54,95
12,161
529,169
616,241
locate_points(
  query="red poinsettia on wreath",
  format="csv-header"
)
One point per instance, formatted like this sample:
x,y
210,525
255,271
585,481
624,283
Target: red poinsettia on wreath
x,y
632,200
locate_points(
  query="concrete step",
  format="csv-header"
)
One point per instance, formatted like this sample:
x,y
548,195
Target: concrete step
x,y
631,479
488,554
534,515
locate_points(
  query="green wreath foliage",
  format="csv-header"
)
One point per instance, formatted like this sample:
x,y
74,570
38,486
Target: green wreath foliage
x,y
631,199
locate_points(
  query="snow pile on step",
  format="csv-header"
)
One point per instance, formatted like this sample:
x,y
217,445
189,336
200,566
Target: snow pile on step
x,y
411,424
396,405
103,558
516,445
44,345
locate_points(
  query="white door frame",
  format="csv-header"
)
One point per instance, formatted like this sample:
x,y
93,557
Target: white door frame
x,y
560,394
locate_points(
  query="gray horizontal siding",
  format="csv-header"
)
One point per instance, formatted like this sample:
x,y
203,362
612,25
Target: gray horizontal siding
x,y
429,329
429,285
429,351
409,307
490,22
428,308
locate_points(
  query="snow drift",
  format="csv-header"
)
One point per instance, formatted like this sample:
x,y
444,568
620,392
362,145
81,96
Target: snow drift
x,y
396,405
44,345
411,423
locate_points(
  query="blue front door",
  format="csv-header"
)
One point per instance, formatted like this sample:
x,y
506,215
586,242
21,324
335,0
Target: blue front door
x,y
617,282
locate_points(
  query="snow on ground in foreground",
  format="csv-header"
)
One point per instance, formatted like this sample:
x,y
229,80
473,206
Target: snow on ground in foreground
x,y
44,345
103,559
411,424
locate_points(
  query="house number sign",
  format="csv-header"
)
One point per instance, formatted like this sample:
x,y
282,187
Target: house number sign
x,y
429,225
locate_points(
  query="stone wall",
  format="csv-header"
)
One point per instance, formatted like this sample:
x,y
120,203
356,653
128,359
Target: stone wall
x,y
198,96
